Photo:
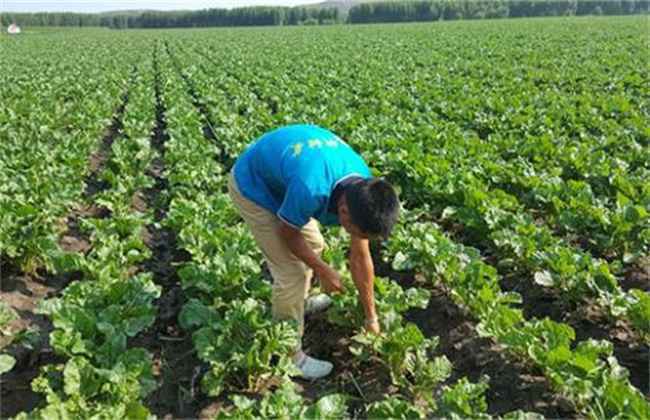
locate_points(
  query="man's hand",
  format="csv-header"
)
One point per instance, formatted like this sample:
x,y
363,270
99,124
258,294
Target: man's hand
x,y
372,326
329,279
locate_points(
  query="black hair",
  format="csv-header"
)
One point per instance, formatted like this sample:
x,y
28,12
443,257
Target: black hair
x,y
373,206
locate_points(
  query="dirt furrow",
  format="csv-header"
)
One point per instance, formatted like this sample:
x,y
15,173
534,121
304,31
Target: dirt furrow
x,y
208,127
171,347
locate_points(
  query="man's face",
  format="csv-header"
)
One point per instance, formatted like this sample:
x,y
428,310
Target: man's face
x,y
346,222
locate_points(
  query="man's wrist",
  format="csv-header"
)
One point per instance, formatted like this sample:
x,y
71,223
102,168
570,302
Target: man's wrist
x,y
371,321
320,267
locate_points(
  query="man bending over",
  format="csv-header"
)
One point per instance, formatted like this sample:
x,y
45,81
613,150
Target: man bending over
x,y
283,185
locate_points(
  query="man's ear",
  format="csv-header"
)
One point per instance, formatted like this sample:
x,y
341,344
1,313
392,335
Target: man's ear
x,y
344,212
343,206
344,209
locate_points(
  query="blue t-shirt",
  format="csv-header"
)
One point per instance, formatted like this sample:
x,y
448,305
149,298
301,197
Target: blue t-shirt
x,y
293,170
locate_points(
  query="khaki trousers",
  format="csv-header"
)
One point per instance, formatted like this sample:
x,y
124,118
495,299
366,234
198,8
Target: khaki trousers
x,y
291,276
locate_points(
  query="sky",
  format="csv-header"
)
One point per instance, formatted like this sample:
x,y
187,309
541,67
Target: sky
x,y
102,6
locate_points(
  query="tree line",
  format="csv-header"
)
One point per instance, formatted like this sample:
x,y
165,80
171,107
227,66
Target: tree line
x,y
50,19
388,11
413,11
242,16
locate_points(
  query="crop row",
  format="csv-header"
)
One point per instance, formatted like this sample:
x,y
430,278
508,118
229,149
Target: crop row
x,y
94,317
233,330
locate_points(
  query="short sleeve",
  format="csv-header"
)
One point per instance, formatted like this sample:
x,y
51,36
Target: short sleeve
x,y
299,204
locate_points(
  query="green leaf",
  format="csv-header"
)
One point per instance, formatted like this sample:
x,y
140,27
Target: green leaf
x,y
393,408
544,278
7,363
332,407
195,314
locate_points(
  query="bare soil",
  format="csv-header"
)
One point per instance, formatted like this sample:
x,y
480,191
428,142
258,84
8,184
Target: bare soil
x,y
513,385
175,361
23,293
94,183
637,275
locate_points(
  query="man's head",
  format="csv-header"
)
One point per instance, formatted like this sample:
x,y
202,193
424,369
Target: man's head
x,y
369,208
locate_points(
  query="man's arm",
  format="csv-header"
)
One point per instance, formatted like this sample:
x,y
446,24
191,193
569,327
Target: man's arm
x,y
329,278
363,275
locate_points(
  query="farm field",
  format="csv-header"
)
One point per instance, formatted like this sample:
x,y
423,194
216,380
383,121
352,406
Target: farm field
x,y
517,284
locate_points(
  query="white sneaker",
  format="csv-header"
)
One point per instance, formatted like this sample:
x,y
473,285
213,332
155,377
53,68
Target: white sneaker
x,y
317,303
311,368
